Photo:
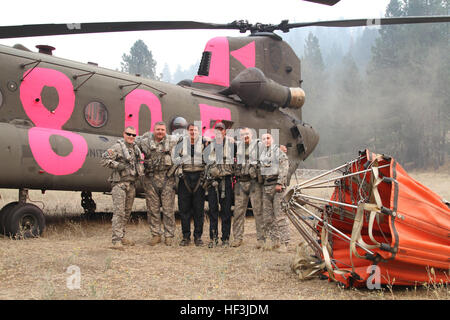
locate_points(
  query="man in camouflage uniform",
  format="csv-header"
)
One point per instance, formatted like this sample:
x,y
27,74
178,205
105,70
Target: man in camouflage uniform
x,y
219,172
191,195
247,186
159,182
274,169
124,158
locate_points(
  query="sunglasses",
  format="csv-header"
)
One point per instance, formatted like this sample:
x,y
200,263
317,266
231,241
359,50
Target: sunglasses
x,y
130,134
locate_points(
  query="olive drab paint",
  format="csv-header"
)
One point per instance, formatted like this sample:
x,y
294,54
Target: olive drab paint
x,y
47,101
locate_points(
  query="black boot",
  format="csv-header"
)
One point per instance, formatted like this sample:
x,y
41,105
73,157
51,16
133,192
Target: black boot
x,y
185,242
198,242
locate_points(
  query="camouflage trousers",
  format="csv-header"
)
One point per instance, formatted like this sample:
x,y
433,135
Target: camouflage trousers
x,y
123,194
243,191
276,226
160,192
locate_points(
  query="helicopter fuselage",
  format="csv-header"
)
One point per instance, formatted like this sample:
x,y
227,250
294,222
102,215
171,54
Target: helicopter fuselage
x,y
58,116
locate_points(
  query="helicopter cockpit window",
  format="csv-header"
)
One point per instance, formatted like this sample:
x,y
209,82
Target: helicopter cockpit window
x,y
203,69
96,114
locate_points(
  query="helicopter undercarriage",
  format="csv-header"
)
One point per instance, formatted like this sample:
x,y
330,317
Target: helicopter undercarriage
x,y
19,219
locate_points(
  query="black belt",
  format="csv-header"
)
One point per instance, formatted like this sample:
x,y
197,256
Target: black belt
x,y
246,178
270,181
192,172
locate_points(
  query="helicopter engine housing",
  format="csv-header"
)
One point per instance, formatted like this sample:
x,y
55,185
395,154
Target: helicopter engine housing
x,y
255,90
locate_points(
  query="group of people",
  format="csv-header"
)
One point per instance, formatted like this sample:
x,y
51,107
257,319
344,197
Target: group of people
x,y
218,170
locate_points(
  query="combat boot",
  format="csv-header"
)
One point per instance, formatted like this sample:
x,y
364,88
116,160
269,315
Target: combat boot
x,y
168,241
260,244
185,242
155,240
236,243
198,242
127,242
213,243
117,245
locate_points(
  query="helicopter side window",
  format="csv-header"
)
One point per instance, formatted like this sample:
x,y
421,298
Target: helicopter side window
x,y
203,69
1,98
96,114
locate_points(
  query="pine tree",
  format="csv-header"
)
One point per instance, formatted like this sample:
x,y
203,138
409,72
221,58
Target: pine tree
x,y
139,61
410,85
166,75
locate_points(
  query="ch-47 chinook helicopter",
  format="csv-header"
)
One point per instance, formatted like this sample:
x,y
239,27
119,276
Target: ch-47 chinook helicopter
x,y
58,116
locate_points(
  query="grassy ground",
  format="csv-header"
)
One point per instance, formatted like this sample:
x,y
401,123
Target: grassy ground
x,y
37,268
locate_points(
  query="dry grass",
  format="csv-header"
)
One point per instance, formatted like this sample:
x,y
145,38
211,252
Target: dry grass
x,y
36,268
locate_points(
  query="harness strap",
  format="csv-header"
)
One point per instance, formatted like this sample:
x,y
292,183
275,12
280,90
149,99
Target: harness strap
x,y
158,190
196,186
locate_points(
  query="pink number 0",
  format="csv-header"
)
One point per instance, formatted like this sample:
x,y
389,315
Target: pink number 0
x,y
50,123
133,103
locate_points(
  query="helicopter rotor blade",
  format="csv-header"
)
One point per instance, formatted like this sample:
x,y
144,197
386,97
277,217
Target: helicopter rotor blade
x,y
100,27
368,22
241,25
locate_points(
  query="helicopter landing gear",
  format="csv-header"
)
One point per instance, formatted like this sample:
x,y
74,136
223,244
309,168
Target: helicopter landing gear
x,y
21,220
88,203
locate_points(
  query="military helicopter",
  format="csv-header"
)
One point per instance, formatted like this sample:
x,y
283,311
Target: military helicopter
x,y
58,116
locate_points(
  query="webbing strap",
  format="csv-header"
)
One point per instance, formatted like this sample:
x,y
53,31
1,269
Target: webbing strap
x,y
373,208
304,265
158,190
326,255
196,186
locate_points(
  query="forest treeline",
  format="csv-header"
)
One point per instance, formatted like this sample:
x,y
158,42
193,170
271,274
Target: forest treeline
x,y
389,91
383,88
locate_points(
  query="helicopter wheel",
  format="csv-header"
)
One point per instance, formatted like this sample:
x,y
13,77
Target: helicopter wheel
x,y
24,220
87,203
4,213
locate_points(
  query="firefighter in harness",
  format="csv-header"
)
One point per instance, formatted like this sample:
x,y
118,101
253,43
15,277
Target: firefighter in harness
x,y
219,156
191,195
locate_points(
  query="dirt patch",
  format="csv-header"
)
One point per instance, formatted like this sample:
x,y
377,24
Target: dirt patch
x,y
37,268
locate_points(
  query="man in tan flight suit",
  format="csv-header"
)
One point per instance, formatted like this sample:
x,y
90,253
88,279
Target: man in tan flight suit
x,y
274,169
124,158
159,182
247,186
